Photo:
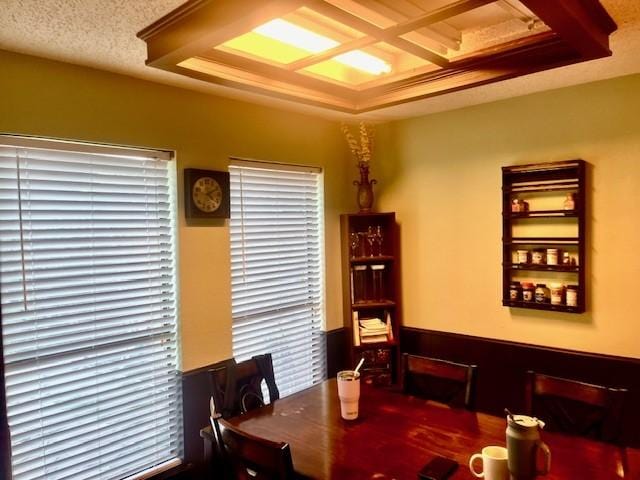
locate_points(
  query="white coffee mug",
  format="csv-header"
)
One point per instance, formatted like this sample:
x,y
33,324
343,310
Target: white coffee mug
x,y
494,463
349,393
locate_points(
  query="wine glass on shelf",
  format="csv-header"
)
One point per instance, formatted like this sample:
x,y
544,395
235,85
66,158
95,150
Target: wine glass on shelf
x,y
379,238
354,241
371,238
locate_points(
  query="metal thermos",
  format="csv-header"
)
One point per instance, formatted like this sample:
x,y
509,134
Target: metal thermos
x,y
523,445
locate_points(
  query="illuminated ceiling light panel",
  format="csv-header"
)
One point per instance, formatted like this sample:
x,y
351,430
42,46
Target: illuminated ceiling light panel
x,y
291,34
287,32
258,46
363,61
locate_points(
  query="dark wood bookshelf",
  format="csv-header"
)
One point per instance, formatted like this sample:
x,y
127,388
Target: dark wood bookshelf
x,y
381,305
538,184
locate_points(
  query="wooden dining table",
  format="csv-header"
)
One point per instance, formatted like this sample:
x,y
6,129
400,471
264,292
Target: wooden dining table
x,y
395,435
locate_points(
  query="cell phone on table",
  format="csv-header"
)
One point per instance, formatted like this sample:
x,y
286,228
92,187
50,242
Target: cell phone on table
x,y
438,468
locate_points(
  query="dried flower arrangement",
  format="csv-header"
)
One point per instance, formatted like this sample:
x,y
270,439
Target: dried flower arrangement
x,y
362,149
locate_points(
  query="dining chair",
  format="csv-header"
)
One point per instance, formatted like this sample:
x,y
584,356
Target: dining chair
x,y
441,380
576,408
247,456
236,388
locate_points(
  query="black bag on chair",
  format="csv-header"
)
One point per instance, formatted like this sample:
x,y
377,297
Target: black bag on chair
x,y
236,388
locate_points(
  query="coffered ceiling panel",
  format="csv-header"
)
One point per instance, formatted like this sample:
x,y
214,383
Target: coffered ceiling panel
x,y
361,55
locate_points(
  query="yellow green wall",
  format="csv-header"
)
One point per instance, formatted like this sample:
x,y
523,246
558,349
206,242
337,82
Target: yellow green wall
x,y
442,175
41,97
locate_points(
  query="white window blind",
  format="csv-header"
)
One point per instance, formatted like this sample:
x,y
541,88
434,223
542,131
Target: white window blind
x,y
277,269
87,275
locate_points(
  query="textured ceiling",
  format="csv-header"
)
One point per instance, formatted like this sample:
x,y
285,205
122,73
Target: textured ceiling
x,y
102,34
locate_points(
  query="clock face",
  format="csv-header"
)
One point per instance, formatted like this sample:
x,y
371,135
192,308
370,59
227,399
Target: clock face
x,y
206,194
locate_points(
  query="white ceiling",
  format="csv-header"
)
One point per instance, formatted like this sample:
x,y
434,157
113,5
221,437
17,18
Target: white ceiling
x,y
102,34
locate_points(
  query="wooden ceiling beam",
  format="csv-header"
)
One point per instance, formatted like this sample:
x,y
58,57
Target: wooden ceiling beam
x,y
439,15
516,58
435,16
417,50
371,30
583,24
284,91
439,32
245,64
436,34
515,11
382,15
199,25
332,52
475,65
391,35
312,23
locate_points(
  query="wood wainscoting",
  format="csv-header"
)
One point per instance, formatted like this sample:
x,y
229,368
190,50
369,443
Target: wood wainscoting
x,y
195,408
502,367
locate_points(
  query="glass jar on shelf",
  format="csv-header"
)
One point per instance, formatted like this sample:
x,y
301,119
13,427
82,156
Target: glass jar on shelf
x,y
542,295
528,292
570,202
515,291
377,272
519,206
538,257
557,293
572,295
359,284
522,256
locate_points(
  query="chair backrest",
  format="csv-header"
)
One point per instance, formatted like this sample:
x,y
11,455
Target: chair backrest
x,y
248,457
237,387
441,380
575,407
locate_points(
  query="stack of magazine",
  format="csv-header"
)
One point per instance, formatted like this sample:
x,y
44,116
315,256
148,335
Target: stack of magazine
x,y
373,330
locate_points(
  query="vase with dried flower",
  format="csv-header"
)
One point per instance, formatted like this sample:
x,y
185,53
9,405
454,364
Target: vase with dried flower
x,y
362,151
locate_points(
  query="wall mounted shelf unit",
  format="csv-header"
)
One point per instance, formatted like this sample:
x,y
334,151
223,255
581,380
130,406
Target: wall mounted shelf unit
x,y
544,235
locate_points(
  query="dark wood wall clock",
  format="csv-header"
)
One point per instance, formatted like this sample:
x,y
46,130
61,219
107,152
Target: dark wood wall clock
x,y
206,193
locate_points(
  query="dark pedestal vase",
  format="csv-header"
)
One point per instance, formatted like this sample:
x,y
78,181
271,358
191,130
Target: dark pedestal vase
x,y
365,189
